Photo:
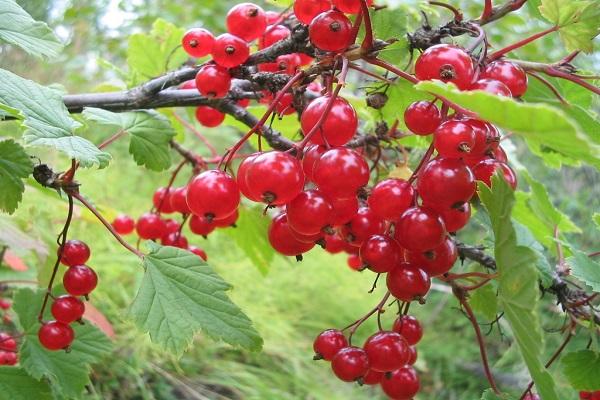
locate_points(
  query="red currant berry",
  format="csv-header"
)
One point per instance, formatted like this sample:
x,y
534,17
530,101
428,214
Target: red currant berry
x,y
492,86
500,155
198,42
349,6
446,182
200,225
309,213
199,252
228,221
288,64
508,73
455,218
329,343
485,169
338,127
8,358
447,63
177,199
272,35
175,239
372,377
307,10
123,224
7,342
5,304
354,262
309,239
454,139
67,309
330,31
341,172
242,176
80,280
243,103
390,198
481,131
285,105
162,200
387,351
54,335
362,226
171,226
283,240
402,384
213,194
150,226
213,81
422,117
74,252
230,51
209,117
410,329
191,84
275,177
437,261
344,210
412,355
420,229
585,395
380,253
408,283
350,364
247,21
310,158
272,17
334,244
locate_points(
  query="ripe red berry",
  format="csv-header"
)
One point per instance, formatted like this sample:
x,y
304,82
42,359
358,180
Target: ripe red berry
x,y
482,133
484,171
54,335
275,177
412,355
285,105
446,182
67,309
209,117
8,358
177,198
349,6
7,342
247,21
329,343
272,17
402,384
455,218
171,226
80,280
338,127
199,252
198,42
283,240
307,10
387,351
309,213
150,226
408,283
162,200
272,35
437,261
390,198
230,51
213,81
454,139
447,63
354,262
200,225
310,158
420,229
5,304
508,73
422,117
74,252
372,377
123,224
227,221
191,84
334,243
242,176
330,31
213,194
410,329
380,253
340,172
344,209
492,86
362,226
350,364
175,239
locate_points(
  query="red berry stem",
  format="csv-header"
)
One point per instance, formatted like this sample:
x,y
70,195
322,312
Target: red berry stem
x,y
62,238
369,73
356,27
111,139
458,16
487,10
196,132
356,324
497,54
107,224
549,85
367,43
422,163
170,184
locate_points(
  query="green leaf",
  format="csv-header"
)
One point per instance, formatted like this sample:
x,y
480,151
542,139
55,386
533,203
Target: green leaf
x,y
19,28
250,235
181,294
16,384
548,132
582,369
578,21
483,301
15,165
150,134
596,218
391,24
68,373
518,290
151,55
526,239
47,120
584,268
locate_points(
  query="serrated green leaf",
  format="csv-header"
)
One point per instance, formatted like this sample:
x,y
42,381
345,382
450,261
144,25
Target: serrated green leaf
x,y
484,301
526,239
20,29
547,130
582,369
584,268
150,134
68,373
180,295
518,290
578,21
391,24
47,120
15,165
16,384
250,235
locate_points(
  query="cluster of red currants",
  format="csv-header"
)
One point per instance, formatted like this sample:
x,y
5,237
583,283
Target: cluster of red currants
x,y
590,395
79,281
386,358
8,349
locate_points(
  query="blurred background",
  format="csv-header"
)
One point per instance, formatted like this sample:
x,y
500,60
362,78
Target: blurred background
x,y
289,302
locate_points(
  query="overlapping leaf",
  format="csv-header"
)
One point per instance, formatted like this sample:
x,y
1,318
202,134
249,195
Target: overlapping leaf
x,y
578,21
16,384
582,369
15,165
